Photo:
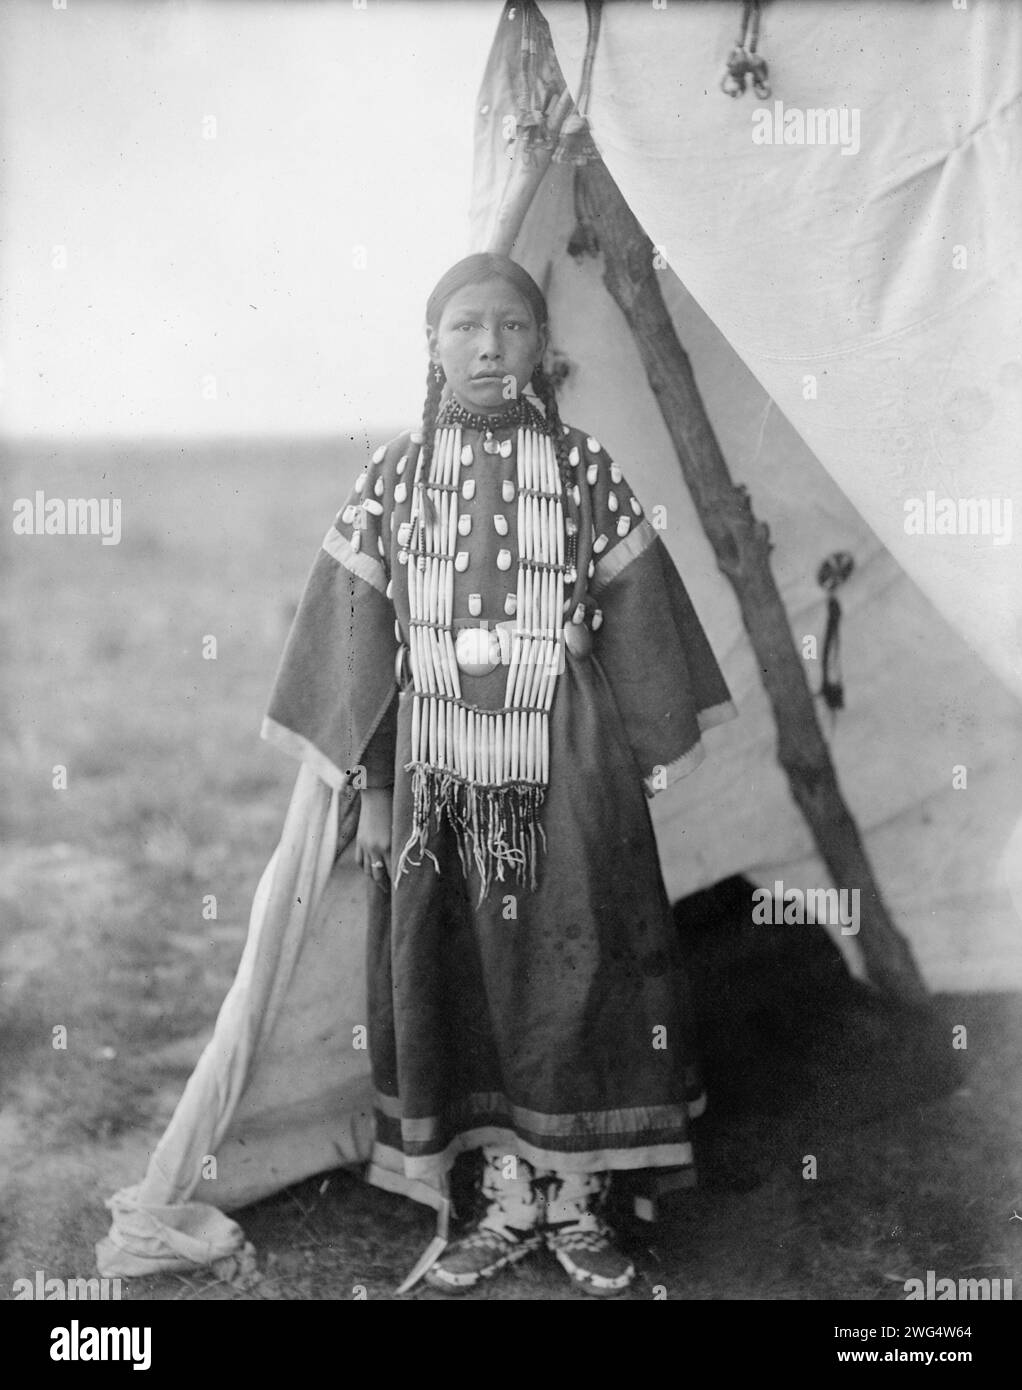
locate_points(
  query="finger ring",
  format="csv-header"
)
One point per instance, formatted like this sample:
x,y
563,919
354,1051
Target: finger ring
x,y
377,865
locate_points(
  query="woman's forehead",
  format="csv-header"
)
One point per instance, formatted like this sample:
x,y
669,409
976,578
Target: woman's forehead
x,y
487,296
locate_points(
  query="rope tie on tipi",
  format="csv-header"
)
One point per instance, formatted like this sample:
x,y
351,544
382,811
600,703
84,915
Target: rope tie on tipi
x,y
744,64
834,571
576,145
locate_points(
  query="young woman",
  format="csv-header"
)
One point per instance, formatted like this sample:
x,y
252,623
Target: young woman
x,y
496,647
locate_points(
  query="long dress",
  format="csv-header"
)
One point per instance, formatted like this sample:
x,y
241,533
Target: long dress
x,y
552,1020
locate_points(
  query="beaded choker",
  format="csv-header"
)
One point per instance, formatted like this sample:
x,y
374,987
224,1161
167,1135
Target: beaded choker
x,y
520,412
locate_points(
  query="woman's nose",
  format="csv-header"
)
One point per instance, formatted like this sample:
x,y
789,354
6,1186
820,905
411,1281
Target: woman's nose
x,y
490,344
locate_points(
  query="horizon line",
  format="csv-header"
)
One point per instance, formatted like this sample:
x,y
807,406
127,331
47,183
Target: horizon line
x,y
9,440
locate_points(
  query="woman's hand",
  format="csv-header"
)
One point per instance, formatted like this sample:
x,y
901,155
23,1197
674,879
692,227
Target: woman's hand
x,y
372,840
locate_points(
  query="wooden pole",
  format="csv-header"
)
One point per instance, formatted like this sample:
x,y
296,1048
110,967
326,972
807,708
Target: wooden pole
x,y
530,163
742,547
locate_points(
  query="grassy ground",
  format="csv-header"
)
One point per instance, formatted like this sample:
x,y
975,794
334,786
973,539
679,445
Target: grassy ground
x,y
171,796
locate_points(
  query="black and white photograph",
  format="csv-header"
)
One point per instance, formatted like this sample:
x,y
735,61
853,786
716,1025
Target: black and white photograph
x,y
512,738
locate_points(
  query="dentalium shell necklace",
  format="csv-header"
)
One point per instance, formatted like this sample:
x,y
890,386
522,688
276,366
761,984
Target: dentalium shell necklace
x,y
485,771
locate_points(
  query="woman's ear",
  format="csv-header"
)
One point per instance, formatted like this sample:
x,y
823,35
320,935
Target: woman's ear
x,y
544,343
431,343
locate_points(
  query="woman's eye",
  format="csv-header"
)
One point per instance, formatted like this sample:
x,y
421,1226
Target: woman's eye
x,y
512,323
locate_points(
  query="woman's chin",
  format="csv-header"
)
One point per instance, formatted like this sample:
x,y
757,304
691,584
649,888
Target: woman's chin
x,y
484,395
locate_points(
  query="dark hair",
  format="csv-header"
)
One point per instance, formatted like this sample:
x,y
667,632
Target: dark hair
x,y
487,265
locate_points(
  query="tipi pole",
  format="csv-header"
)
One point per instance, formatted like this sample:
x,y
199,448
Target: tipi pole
x,y
532,159
742,547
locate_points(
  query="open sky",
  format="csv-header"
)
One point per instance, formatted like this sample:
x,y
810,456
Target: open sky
x,y
229,197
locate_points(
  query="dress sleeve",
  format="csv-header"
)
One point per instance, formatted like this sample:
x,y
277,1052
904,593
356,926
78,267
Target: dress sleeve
x,y
650,643
381,751
334,699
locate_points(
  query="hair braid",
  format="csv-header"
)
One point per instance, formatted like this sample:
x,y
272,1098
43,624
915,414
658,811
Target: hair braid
x,y
430,410
547,396
579,511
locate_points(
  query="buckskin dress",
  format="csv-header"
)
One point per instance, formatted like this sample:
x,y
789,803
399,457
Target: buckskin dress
x,y
553,1020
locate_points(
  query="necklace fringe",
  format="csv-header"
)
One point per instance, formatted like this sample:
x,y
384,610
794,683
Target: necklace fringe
x,y
498,830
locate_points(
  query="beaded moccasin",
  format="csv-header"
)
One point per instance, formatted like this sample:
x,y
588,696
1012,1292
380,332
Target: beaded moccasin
x,y
587,1252
479,1255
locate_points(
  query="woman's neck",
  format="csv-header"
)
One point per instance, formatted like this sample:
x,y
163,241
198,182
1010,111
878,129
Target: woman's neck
x,y
514,413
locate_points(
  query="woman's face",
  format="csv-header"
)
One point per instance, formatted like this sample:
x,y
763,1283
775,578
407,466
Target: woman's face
x,y
488,343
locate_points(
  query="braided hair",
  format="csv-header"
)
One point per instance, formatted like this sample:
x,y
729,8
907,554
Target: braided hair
x,y
546,393
435,379
575,498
